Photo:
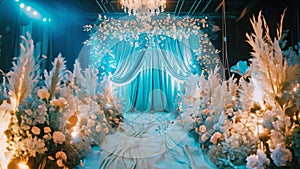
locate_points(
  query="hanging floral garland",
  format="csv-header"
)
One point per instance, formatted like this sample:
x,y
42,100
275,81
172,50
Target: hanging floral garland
x,y
107,32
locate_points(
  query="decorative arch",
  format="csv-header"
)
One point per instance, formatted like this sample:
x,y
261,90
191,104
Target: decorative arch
x,y
170,44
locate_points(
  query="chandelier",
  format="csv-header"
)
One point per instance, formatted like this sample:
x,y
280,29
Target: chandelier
x,y
143,9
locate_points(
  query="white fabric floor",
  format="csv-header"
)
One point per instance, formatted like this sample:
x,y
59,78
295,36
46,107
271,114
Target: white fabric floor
x,y
150,141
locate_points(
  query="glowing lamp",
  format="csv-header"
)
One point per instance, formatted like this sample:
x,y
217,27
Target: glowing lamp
x,y
22,5
23,165
28,8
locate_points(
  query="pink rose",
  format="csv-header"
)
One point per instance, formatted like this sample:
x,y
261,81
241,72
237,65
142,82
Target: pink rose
x,y
60,102
60,163
43,94
59,137
47,130
214,138
35,130
98,128
106,131
202,129
61,155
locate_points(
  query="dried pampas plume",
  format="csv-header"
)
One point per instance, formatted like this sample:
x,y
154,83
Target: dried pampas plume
x,y
91,76
268,65
53,78
23,74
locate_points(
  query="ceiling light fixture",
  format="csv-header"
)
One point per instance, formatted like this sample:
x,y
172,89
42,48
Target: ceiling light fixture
x,y
143,9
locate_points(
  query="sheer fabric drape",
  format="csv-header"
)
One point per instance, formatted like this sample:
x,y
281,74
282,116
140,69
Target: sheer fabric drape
x,y
149,79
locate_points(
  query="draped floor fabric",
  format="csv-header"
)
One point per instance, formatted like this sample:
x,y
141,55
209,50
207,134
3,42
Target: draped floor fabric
x,y
150,141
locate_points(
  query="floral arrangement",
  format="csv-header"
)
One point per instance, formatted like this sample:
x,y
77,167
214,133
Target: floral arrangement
x,y
106,32
52,119
252,122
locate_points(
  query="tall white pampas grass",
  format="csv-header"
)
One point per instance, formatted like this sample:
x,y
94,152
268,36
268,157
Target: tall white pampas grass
x,y
23,74
209,84
91,79
78,78
5,120
268,65
86,80
53,78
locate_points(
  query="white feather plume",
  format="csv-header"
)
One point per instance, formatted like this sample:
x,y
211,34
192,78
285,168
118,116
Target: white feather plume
x,y
24,72
53,78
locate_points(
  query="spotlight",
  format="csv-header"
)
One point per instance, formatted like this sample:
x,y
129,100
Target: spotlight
x,y
44,19
17,0
28,8
22,5
34,13
49,20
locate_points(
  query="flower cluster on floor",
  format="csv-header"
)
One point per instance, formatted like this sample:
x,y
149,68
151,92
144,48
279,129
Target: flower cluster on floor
x,y
253,121
52,119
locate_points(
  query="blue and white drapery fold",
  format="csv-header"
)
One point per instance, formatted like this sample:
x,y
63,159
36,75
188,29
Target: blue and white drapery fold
x,y
153,61
149,79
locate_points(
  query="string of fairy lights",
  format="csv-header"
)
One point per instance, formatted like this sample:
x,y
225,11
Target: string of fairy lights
x,y
33,11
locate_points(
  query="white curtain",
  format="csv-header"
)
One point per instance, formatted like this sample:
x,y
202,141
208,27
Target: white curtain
x,y
149,79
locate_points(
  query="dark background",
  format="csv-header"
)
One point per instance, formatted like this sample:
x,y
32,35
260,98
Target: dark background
x,y
65,31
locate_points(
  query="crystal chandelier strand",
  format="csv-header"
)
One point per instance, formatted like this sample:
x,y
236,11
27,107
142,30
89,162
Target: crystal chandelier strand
x,y
143,9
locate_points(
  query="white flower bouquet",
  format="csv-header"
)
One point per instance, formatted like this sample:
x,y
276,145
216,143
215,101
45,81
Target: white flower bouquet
x,y
55,118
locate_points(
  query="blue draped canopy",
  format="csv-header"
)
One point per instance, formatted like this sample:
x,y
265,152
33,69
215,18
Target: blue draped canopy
x,y
152,61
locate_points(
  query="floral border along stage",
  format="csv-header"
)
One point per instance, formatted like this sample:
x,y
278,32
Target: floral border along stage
x,y
51,120
252,122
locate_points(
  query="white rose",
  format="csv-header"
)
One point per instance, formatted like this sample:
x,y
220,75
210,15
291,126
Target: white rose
x,y
94,116
252,162
204,137
281,156
262,158
276,138
91,123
